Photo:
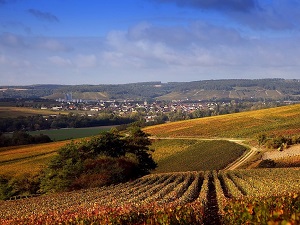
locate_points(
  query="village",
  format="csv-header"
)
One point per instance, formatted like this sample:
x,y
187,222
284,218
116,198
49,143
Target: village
x,y
128,107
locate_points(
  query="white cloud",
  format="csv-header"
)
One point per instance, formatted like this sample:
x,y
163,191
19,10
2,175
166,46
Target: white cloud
x,y
53,45
12,40
59,61
86,61
3,59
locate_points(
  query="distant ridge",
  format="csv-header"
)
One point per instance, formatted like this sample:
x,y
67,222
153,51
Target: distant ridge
x,y
244,89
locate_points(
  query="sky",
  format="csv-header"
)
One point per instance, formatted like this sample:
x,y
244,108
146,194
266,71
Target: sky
x,y
128,41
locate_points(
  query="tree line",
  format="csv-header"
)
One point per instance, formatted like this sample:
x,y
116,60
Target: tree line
x,y
22,138
39,122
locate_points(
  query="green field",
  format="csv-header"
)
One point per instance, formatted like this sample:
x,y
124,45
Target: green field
x,y
178,155
72,133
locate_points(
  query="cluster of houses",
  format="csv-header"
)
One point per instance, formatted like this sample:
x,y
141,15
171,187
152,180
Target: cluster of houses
x,y
127,107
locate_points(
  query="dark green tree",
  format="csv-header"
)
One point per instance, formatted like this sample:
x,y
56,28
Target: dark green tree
x,y
109,157
137,143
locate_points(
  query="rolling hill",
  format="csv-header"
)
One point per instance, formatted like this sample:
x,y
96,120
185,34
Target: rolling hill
x,y
260,196
242,89
280,121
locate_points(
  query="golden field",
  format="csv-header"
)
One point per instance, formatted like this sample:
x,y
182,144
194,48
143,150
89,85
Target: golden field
x,y
13,112
27,159
281,120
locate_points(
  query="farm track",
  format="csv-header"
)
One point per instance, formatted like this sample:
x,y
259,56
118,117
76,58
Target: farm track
x,y
237,163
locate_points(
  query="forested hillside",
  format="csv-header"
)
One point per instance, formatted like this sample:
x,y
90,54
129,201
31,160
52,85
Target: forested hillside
x,y
197,90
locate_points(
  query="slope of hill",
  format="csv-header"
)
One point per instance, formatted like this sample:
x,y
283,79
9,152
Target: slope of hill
x,y
280,121
178,155
275,89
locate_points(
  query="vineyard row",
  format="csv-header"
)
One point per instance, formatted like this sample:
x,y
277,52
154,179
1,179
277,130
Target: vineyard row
x,y
200,197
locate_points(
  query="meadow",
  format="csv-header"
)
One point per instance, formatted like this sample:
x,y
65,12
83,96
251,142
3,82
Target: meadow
x,y
262,196
71,133
274,121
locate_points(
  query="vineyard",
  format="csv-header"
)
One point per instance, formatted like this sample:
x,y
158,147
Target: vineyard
x,y
179,155
28,158
279,121
261,196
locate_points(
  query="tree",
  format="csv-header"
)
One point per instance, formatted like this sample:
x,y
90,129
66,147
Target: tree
x,y
109,158
63,169
137,143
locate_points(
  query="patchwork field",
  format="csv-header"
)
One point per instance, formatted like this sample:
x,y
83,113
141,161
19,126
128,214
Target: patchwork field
x,y
171,155
196,189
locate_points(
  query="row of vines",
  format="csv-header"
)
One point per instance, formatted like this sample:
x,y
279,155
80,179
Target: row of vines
x,y
245,196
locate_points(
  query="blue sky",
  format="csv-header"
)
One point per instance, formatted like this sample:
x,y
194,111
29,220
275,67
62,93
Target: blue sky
x,y
115,42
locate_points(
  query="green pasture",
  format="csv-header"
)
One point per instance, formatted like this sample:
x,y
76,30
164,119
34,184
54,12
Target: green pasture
x,y
188,155
71,133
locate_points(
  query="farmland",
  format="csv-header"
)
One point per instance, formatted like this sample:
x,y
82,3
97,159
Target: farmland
x,y
280,121
71,133
261,196
190,186
197,155
13,112
27,159
175,155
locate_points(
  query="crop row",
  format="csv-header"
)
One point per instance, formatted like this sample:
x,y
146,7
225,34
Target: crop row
x,y
170,198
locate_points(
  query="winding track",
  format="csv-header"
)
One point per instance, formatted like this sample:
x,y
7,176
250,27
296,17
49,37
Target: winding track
x,y
233,165
243,158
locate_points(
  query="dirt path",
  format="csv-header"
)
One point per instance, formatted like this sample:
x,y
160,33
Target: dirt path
x,y
246,156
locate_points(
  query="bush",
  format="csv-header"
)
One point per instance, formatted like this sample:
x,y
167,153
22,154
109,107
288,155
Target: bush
x,y
105,171
24,185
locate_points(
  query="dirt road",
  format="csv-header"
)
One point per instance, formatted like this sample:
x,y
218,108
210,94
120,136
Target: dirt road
x,y
246,156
